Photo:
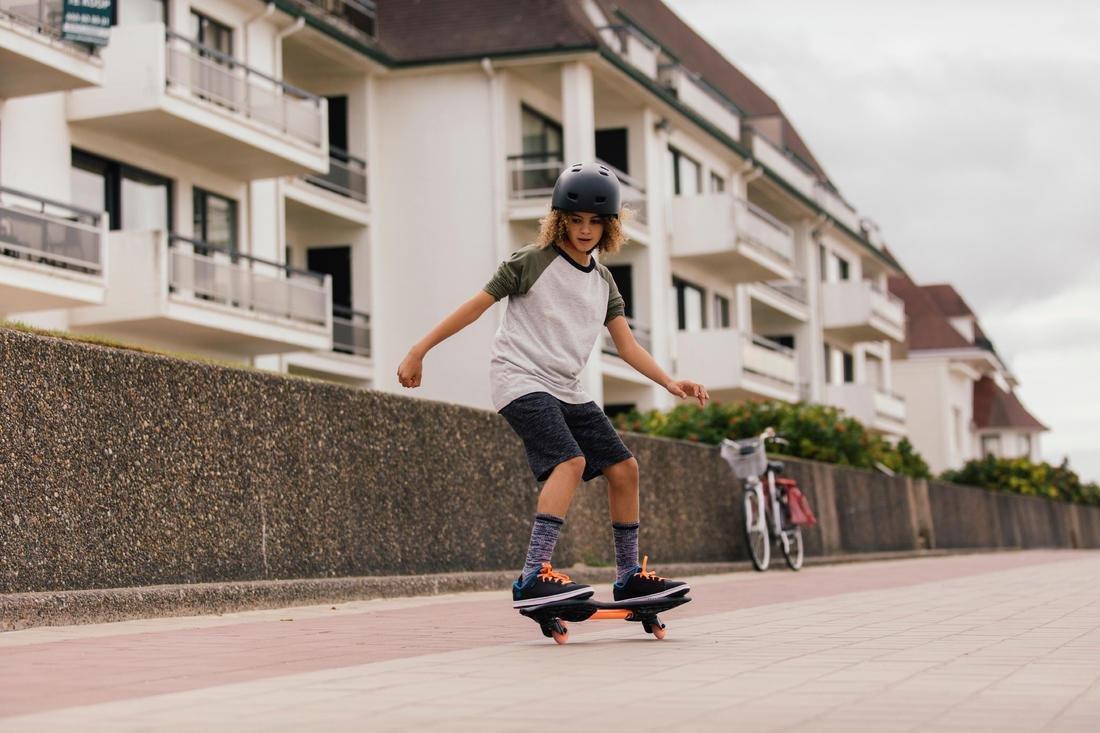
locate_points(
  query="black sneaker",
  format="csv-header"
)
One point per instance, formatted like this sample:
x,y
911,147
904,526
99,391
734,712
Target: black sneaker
x,y
546,587
642,585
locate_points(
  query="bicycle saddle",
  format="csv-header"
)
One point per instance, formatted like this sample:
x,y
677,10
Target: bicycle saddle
x,y
775,466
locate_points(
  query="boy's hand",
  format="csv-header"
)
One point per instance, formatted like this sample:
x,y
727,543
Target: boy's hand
x,y
686,389
411,370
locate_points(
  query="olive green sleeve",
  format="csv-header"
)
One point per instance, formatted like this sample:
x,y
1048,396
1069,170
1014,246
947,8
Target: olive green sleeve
x,y
616,306
518,273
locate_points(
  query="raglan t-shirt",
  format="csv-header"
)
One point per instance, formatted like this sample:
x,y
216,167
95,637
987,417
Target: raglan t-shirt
x,y
555,312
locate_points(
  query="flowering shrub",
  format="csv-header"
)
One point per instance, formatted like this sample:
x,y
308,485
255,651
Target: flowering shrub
x,y
1021,476
815,432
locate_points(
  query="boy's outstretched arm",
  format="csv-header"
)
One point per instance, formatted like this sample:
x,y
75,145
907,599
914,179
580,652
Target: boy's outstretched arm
x,y
411,369
633,354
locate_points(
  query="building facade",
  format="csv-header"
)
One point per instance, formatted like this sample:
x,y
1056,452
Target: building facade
x,y
310,186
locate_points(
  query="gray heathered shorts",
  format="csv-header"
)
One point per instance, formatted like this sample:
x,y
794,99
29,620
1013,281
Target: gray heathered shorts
x,y
553,431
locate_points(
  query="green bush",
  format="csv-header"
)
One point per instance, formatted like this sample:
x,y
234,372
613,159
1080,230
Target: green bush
x,y
1021,476
815,432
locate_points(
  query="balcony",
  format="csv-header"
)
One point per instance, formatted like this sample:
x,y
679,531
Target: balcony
x,y
790,168
732,237
347,175
348,361
877,409
182,294
357,19
737,366
166,91
34,58
859,310
51,254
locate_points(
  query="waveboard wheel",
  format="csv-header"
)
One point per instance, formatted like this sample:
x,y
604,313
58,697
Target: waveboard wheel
x,y
659,632
560,636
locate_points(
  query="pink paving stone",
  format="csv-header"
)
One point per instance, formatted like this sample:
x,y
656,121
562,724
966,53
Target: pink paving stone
x,y
60,674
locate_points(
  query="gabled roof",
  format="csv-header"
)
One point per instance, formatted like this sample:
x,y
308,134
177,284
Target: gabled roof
x,y
996,408
948,300
929,328
696,54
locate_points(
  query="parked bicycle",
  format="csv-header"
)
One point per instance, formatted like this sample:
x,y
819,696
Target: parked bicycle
x,y
767,502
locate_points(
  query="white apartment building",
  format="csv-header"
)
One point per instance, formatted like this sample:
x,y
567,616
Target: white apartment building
x,y
310,185
959,390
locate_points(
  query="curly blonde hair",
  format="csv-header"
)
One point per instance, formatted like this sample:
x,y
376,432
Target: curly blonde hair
x,y
553,228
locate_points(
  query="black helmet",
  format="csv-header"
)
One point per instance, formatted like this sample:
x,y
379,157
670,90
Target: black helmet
x,y
590,187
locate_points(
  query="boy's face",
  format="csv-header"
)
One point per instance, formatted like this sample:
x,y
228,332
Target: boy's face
x,y
585,230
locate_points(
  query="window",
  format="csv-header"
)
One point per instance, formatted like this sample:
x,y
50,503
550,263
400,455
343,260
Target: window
x,y
687,175
721,311
211,33
334,261
611,148
338,122
849,368
717,183
134,199
690,313
784,340
823,262
215,219
991,445
624,281
842,268
828,364
616,409
542,144
1025,441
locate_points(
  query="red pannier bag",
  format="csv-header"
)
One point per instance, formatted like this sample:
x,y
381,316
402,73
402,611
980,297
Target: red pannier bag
x,y
797,506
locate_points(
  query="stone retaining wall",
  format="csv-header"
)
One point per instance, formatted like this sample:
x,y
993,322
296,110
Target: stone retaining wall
x,y
119,468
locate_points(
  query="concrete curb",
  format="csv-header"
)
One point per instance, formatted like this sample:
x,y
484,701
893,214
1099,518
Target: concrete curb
x,y
62,608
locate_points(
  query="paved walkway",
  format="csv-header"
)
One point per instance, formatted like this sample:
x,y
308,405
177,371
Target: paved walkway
x,y
1007,642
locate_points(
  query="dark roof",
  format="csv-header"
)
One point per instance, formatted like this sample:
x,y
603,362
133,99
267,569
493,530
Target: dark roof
x,y
928,327
431,30
996,408
948,300
696,54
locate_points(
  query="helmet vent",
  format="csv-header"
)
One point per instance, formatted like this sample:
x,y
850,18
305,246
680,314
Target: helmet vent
x,y
603,172
572,196
601,199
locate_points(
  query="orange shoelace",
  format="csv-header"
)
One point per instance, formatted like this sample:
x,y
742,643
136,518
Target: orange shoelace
x,y
549,575
645,574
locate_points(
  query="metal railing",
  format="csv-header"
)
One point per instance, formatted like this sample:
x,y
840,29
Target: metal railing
x,y
642,334
532,175
249,283
355,17
350,331
43,16
347,175
222,80
49,232
633,192
760,228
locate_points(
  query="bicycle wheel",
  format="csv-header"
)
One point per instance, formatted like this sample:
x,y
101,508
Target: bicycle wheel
x,y
793,551
756,530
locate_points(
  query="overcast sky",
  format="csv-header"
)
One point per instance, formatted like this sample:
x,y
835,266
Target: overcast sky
x,y
968,130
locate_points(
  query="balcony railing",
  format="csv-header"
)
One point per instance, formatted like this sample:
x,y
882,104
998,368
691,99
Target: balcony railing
x,y
632,190
760,228
249,283
222,80
793,289
766,358
347,175
642,334
532,175
43,16
350,331
886,304
51,233
355,17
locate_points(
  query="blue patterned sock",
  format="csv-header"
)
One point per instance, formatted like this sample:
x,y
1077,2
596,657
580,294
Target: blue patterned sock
x,y
626,548
544,535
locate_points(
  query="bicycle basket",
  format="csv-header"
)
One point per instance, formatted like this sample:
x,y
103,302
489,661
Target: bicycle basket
x,y
748,465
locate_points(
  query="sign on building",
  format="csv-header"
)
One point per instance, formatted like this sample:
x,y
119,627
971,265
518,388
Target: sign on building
x,y
87,21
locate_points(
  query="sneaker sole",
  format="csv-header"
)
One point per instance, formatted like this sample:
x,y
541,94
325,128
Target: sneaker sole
x,y
547,600
677,591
